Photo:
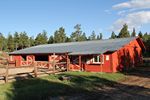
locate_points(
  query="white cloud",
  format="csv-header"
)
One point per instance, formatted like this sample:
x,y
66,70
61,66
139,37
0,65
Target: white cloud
x,y
107,11
122,12
133,20
135,13
133,5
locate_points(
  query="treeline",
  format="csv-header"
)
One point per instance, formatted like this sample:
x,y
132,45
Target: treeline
x,y
125,33
20,40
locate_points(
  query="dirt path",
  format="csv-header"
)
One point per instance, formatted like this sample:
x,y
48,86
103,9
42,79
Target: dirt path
x,y
136,80
139,77
135,86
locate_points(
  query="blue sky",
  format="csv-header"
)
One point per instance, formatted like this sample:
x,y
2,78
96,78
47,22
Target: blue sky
x,y
104,16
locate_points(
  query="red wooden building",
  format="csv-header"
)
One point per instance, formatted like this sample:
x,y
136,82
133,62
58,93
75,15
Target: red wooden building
x,y
109,55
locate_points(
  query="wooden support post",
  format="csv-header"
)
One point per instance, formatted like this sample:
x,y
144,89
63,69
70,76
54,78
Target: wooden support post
x,y
111,63
80,62
54,63
49,63
68,62
101,62
6,74
35,69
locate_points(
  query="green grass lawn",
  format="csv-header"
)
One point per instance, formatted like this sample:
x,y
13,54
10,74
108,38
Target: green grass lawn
x,y
50,86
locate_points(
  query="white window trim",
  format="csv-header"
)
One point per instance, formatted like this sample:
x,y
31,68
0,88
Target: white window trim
x,y
102,62
107,58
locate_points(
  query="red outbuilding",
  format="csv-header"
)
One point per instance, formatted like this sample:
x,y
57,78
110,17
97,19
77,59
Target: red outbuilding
x,y
108,55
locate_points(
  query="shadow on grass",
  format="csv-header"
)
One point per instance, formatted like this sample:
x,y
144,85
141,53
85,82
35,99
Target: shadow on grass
x,y
141,71
78,88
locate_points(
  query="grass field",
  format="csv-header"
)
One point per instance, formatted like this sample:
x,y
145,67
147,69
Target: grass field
x,y
49,87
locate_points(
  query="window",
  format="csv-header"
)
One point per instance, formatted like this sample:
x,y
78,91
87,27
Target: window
x,y
98,60
107,57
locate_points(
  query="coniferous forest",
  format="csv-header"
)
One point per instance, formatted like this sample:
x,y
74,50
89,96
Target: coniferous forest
x,y
21,40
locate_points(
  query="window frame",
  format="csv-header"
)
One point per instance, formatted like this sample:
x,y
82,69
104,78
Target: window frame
x,y
98,56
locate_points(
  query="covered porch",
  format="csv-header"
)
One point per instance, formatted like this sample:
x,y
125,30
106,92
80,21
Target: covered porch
x,y
94,62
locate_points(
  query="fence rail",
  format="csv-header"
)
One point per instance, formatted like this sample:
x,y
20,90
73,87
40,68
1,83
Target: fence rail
x,y
34,69
146,60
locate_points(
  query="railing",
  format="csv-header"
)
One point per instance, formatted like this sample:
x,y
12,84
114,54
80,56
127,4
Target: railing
x,y
42,64
36,68
146,60
24,63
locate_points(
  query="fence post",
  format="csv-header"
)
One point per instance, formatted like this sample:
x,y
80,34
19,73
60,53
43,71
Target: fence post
x,y
6,74
35,69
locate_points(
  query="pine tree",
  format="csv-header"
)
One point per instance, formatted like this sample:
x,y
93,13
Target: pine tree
x,y
31,41
10,43
41,38
16,40
92,36
5,47
124,32
44,37
3,42
56,36
60,35
76,36
140,34
146,37
68,39
23,40
83,37
133,34
51,40
113,35
100,36
146,34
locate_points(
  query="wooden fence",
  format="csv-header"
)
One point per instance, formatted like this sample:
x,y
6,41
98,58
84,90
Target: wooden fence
x,y
146,60
35,69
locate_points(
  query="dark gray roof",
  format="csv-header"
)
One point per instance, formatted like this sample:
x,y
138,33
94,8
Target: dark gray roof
x,y
74,48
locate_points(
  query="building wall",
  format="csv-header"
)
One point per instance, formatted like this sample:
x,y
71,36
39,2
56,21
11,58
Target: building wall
x,y
115,61
17,59
92,67
127,57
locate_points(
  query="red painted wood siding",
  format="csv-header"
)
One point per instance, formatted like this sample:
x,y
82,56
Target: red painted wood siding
x,y
17,59
128,56
106,66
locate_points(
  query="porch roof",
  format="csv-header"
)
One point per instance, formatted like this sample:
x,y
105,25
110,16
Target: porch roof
x,y
76,48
